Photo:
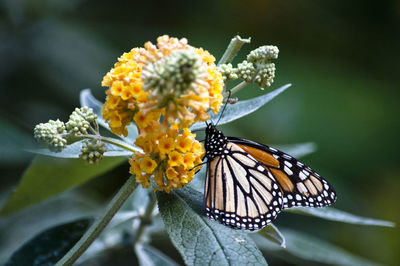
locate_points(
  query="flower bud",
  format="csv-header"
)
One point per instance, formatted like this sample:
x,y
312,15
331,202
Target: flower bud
x,y
92,151
228,71
79,121
263,54
246,71
51,135
265,75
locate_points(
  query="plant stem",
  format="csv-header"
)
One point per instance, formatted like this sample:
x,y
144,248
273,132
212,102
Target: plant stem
x,y
97,227
235,89
233,47
113,141
146,218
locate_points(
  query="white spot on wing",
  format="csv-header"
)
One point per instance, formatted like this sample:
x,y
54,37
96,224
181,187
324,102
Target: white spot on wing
x,y
302,176
287,170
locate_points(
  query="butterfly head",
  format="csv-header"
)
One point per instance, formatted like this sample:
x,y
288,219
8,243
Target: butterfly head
x,y
215,141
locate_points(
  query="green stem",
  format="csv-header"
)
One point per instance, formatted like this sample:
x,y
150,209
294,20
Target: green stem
x,y
97,227
233,47
146,218
113,141
235,89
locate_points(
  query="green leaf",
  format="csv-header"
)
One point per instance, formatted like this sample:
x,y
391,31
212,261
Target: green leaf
x,y
149,256
200,240
48,176
298,150
13,141
49,246
272,233
87,99
340,216
241,108
73,150
63,208
305,247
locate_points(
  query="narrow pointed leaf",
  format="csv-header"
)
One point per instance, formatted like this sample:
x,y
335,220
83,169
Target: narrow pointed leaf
x,y
298,150
87,99
300,246
49,246
49,176
272,233
200,240
149,256
73,150
340,216
241,108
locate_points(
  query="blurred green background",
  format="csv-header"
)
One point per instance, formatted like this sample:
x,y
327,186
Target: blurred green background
x,y
341,57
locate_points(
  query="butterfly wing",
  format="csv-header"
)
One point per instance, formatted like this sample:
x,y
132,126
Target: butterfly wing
x,y
301,186
239,191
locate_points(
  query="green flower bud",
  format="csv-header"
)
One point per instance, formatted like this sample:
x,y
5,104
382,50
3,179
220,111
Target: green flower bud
x,y
79,121
50,134
174,74
246,71
263,54
228,71
265,75
92,151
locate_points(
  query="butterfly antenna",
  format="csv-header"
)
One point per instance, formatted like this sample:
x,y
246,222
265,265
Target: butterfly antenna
x,y
223,109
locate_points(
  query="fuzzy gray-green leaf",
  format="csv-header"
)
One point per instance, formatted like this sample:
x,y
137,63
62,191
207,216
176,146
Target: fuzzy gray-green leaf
x,y
302,249
149,256
340,216
241,108
73,150
199,240
299,149
272,233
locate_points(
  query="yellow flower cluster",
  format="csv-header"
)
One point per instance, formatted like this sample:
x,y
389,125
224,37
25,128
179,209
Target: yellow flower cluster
x,y
124,93
164,89
190,105
170,157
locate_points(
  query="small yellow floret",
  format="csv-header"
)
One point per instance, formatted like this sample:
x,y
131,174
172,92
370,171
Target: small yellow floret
x,y
148,165
188,160
166,145
175,158
184,143
171,173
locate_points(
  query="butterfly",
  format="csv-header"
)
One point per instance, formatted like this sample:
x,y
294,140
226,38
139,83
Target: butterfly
x,y
248,183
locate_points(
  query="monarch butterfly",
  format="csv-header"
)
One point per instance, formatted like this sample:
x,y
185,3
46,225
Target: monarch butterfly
x,y
248,183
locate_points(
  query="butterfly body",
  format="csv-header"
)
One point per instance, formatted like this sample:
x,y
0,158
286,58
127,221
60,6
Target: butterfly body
x,y
248,183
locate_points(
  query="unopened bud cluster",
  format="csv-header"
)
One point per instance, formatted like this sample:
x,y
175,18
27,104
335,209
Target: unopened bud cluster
x,y
265,75
246,71
79,121
263,54
51,134
228,71
54,134
92,151
175,74
257,68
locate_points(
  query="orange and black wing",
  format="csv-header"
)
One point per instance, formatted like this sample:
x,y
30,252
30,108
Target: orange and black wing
x,y
239,191
300,185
